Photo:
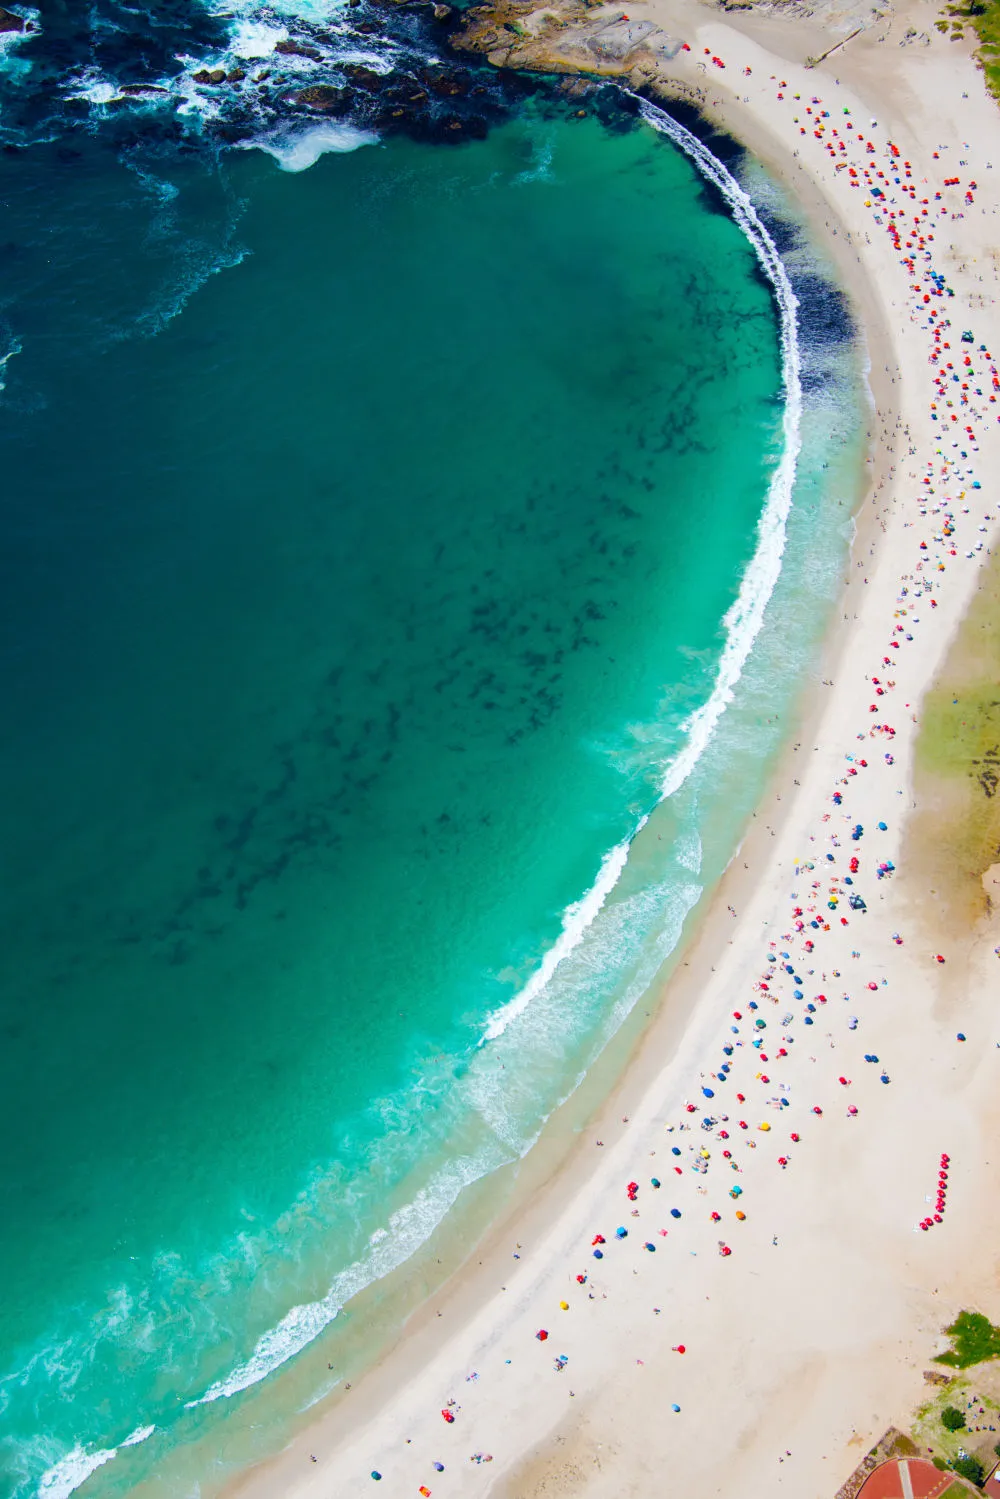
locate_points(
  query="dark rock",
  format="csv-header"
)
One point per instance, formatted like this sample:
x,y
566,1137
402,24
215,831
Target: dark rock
x,y
292,48
442,12
237,75
365,78
10,22
448,85
323,97
217,75
142,88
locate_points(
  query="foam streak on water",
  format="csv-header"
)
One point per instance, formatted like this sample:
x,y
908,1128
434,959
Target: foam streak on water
x,y
744,619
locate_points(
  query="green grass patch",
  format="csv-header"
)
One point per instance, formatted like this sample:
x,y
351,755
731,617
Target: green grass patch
x,y
984,17
956,829
955,1491
974,1339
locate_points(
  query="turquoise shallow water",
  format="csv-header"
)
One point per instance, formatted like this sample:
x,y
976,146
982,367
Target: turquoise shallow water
x,y
354,598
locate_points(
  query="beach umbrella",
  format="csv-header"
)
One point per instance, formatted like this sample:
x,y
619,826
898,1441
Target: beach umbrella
x,y
675,1407
675,1212
438,1467
741,1216
541,1335
708,1092
716,1217
621,1233
650,1247
376,1475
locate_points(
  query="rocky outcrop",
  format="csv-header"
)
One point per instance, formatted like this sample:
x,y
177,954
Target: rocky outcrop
x,y
291,48
324,98
567,38
10,22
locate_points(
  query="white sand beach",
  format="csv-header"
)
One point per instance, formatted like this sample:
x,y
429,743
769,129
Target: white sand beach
x,y
806,1340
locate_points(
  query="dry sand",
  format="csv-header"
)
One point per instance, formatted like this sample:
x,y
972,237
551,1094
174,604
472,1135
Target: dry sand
x,y
810,1337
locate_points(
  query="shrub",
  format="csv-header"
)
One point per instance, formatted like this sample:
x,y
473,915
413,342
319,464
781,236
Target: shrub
x,y
952,1419
970,1468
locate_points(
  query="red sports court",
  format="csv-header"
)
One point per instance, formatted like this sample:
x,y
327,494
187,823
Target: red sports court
x,y
906,1478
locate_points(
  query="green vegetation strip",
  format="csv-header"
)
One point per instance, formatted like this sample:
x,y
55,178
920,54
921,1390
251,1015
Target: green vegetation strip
x,y
974,1339
984,18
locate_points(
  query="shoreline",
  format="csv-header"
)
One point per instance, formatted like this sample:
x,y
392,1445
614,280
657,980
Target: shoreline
x,y
370,1420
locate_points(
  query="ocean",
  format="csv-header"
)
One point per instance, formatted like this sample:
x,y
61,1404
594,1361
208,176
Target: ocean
x,y
415,536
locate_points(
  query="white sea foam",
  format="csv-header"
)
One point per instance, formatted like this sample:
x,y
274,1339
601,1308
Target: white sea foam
x,y
65,1476
408,1228
251,38
576,919
743,620
15,348
299,152
139,1435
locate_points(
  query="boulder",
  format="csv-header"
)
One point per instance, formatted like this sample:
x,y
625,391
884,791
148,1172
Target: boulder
x,y
365,78
10,22
290,48
323,98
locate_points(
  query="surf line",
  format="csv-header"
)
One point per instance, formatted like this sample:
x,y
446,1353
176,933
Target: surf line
x,y
743,620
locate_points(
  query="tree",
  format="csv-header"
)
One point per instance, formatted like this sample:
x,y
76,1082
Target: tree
x,y
952,1419
970,1468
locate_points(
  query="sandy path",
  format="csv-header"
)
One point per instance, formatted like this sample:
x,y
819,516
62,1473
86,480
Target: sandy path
x,y
805,1341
